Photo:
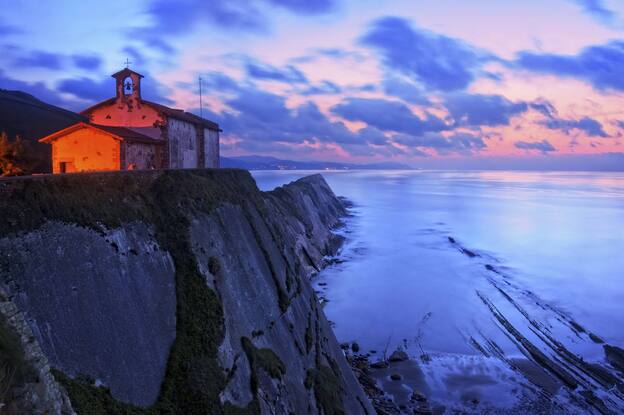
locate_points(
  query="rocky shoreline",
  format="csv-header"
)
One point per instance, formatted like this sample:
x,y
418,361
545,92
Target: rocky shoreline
x,y
368,373
557,379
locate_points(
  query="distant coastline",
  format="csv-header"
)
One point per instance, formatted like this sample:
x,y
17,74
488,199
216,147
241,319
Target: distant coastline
x,y
271,163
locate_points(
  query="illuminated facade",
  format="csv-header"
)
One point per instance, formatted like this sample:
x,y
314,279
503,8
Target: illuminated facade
x,y
127,132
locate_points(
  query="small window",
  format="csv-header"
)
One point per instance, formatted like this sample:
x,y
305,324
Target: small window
x,y
128,85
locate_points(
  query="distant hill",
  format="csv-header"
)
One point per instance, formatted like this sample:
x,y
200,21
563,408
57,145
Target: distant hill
x,y
272,163
24,115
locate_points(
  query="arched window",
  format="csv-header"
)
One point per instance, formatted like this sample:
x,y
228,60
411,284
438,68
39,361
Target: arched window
x,y
128,85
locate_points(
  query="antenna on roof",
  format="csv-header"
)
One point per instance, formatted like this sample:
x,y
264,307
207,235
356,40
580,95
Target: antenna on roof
x,y
201,108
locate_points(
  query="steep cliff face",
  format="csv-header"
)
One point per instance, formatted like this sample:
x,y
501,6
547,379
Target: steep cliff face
x,y
170,292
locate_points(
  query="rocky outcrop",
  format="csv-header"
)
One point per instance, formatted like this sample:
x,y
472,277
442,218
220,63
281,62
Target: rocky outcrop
x,y
176,291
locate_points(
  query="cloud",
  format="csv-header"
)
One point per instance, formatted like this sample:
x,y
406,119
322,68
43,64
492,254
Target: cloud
x,y
88,62
8,29
387,116
38,90
91,91
288,74
462,143
39,59
597,9
311,7
51,61
438,62
600,65
544,146
477,110
332,53
220,82
88,89
323,88
180,17
588,125
404,89
544,107
136,57
261,121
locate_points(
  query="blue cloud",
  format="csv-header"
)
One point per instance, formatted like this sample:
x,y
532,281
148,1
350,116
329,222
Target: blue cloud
x,y
462,143
183,16
288,74
405,90
262,121
88,62
333,53
476,110
88,89
39,59
306,6
597,9
220,82
544,107
588,125
387,116
134,55
94,91
601,65
8,29
439,62
324,88
38,90
544,146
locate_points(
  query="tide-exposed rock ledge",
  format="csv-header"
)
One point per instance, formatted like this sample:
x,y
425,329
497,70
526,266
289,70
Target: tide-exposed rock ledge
x,y
169,292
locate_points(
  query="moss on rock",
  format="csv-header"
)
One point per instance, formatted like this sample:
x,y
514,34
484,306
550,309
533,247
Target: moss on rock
x,y
265,359
14,369
327,392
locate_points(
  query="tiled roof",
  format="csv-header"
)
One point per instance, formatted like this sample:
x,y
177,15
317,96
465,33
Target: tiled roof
x,y
122,133
128,134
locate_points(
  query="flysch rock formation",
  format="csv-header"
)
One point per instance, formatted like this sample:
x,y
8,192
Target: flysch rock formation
x,y
168,292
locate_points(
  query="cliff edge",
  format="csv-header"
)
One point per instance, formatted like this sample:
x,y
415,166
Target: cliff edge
x,y
178,292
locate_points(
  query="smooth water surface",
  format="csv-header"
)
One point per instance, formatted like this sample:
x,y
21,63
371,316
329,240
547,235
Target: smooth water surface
x,y
434,259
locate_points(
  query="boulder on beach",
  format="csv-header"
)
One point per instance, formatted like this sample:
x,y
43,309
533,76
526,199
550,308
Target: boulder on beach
x,y
398,356
381,364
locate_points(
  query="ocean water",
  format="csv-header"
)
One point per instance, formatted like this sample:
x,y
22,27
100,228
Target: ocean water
x,y
493,282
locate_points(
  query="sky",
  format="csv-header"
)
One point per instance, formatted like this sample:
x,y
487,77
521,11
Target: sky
x,y
429,83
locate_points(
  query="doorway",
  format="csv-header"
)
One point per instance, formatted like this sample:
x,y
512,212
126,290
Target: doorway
x,y
66,167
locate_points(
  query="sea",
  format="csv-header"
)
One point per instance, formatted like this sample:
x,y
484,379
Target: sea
x,y
504,288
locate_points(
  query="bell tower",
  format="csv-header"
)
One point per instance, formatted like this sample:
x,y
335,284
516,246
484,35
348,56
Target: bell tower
x,y
128,85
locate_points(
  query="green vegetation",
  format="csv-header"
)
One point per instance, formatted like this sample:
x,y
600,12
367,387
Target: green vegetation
x,y
16,157
264,359
214,267
89,399
327,390
14,370
309,336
